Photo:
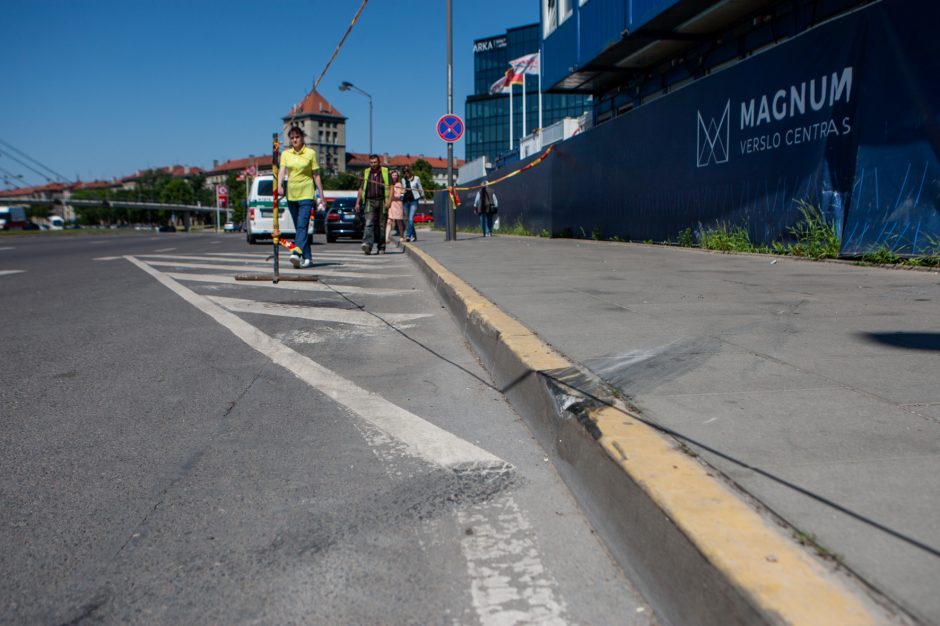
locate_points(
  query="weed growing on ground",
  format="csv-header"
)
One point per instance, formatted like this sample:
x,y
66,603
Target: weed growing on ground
x,y
725,238
686,238
516,228
881,255
816,238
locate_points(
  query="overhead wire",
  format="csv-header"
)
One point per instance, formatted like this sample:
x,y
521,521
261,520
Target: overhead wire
x,y
37,162
15,176
342,41
30,168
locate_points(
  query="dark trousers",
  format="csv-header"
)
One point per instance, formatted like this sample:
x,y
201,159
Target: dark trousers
x,y
375,223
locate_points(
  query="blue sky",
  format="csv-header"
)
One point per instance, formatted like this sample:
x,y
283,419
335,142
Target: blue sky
x,y
102,88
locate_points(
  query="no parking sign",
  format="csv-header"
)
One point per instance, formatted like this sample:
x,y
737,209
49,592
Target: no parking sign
x,y
450,128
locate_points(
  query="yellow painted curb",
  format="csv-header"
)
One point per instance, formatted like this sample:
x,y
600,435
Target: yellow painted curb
x,y
783,581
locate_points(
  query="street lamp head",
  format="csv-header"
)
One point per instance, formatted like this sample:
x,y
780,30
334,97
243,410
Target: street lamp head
x,y
345,85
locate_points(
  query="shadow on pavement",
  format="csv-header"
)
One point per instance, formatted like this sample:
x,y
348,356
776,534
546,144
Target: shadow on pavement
x,y
905,340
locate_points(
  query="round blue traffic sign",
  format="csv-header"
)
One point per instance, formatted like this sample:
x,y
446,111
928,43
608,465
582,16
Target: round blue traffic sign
x,y
450,127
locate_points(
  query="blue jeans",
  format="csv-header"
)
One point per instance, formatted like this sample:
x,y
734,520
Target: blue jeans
x,y
410,209
486,224
300,213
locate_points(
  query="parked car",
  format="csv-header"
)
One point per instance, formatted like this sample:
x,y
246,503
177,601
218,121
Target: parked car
x,y
56,222
319,215
342,220
424,217
229,227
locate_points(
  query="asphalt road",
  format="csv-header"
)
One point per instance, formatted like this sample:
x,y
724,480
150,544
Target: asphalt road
x,y
177,447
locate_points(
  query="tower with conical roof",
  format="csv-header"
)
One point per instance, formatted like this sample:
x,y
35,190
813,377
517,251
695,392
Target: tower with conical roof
x,y
324,128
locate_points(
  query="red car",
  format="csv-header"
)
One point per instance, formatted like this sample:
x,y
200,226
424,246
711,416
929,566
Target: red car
x,y
424,217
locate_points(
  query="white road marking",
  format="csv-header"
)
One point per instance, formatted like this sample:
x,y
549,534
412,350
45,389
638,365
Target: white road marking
x,y
508,582
371,260
423,439
316,251
165,250
5,272
324,271
315,313
293,286
8,248
107,258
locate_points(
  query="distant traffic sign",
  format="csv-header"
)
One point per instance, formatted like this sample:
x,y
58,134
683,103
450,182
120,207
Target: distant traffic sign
x,y
221,196
450,128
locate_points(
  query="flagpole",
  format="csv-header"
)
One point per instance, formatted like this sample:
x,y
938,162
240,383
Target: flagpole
x,y
510,117
540,94
524,127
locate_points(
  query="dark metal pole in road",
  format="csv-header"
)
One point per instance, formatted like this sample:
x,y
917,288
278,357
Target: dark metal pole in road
x,y
451,209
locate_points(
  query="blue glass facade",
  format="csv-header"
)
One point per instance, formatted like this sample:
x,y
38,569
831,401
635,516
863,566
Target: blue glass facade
x,y
487,115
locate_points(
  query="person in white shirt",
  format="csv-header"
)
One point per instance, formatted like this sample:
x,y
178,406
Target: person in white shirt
x,y
413,193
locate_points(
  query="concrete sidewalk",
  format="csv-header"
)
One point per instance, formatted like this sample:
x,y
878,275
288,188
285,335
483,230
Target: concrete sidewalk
x,y
815,387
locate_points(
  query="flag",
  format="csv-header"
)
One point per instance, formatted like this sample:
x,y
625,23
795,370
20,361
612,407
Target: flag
x,y
504,84
528,64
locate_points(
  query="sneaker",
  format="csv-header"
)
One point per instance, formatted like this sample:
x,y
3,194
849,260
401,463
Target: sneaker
x,y
295,260
307,263
366,248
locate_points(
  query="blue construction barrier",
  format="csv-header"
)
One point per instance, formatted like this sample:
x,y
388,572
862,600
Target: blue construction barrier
x,y
845,116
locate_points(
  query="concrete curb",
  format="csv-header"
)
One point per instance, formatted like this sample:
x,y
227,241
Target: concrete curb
x,y
698,552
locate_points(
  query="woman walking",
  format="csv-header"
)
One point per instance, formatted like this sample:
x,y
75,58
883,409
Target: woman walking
x,y
299,165
413,193
396,212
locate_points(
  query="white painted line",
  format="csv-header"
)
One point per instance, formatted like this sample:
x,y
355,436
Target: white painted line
x,y
251,255
372,259
107,258
422,439
8,248
6,272
258,261
293,286
315,313
165,250
260,267
508,582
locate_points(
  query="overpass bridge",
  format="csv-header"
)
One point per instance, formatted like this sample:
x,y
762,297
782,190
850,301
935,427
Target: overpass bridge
x,y
186,210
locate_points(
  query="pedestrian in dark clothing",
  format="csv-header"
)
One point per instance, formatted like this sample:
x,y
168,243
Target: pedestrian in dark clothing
x,y
374,195
485,205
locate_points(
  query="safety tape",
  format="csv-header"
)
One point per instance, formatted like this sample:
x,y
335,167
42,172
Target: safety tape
x,y
455,197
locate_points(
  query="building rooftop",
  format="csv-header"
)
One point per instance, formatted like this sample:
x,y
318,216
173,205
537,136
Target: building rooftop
x,y
313,104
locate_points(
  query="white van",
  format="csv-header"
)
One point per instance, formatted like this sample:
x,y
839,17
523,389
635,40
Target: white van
x,y
260,219
13,218
56,222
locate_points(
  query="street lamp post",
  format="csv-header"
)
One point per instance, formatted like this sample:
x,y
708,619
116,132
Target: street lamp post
x,y
346,86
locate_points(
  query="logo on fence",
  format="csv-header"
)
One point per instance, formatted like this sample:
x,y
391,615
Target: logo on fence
x,y
714,139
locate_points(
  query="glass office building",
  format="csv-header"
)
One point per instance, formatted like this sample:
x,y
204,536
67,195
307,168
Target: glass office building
x,y
487,115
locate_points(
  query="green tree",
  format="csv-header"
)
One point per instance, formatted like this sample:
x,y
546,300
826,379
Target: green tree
x,y
422,169
236,197
343,181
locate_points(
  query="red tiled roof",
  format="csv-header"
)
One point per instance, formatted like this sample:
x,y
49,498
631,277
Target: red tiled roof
x,y
233,165
400,160
25,191
172,170
313,103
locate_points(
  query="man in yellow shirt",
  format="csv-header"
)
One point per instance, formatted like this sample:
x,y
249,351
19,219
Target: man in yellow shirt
x,y
299,164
